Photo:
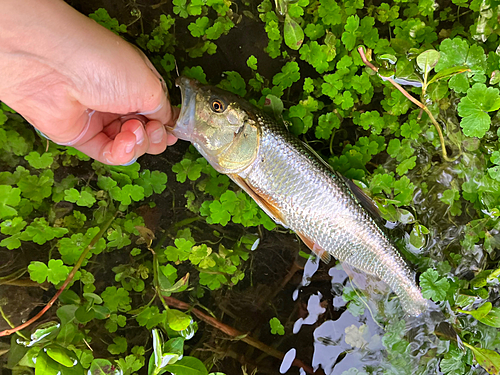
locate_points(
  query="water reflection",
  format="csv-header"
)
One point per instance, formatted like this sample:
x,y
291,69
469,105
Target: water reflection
x,y
374,339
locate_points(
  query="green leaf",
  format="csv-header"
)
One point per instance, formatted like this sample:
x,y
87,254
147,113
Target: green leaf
x,y
150,317
39,161
294,35
116,299
36,188
252,62
486,358
155,181
61,355
40,232
433,286
187,168
180,8
13,226
486,314
181,250
83,198
100,366
417,235
188,366
314,31
289,74
195,72
9,198
46,365
427,60
119,345
199,27
326,123
330,12
276,327
355,305
38,271
102,17
406,165
351,31
316,55
447,73
57,271
456,52
219,213
177,320
492,319
453,362
474,107
234,83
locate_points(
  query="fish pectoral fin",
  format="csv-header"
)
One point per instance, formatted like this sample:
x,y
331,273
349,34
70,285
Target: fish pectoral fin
x,y
264,202
320,252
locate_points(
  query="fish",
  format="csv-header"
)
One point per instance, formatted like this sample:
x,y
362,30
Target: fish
x,y
292,184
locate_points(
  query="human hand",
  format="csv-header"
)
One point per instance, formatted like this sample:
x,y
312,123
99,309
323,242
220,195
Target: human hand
x,y
80,84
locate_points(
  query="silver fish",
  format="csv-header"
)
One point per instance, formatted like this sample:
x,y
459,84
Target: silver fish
x,y
291,184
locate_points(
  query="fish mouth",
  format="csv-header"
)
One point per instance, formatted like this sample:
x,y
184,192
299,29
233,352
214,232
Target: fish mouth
x,y
184,126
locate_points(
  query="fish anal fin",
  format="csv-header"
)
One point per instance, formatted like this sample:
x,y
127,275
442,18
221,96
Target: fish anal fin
x,y
266,203
369,283
321,253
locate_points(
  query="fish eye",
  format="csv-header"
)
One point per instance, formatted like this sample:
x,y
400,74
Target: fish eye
x,y
218,106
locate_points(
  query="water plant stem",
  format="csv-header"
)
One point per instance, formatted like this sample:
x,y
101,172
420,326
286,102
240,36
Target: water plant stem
x,y
413,100
233,332
72,274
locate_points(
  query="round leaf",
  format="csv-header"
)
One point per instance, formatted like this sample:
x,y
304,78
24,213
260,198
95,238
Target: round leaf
x,y
427,60
177,320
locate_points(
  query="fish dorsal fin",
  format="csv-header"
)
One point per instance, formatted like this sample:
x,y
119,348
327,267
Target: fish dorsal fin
x,y
321,253
266,203
366,202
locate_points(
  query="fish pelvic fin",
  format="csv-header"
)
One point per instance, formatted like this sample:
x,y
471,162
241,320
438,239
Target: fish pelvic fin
x,y
266,203
315,248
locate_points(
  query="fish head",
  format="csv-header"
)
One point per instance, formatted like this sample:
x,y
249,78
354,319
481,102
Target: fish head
x,y
219,124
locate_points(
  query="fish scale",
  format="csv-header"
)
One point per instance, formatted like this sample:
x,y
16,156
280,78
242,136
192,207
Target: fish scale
x,y
291,184
317,203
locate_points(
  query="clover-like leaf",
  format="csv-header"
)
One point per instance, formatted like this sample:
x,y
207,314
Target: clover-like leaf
x,y
39,161
434,286
9,198
474,109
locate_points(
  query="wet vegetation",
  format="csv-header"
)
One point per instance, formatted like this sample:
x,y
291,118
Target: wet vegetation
x,y
172,268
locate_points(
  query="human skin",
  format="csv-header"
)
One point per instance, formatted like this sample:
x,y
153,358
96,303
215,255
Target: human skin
x,y
80,84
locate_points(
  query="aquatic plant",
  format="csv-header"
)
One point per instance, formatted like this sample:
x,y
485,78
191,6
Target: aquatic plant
x,y
427,152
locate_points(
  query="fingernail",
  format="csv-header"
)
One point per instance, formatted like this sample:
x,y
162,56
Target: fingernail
x,y
129,148
105,154
139,136
130,162
157,135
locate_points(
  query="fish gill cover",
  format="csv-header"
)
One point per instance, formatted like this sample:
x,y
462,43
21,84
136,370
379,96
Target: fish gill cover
x,y
187,275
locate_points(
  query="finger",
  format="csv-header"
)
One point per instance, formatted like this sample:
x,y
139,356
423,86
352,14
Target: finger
x,y
112,129
141,139
157,136
116,151
164,112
